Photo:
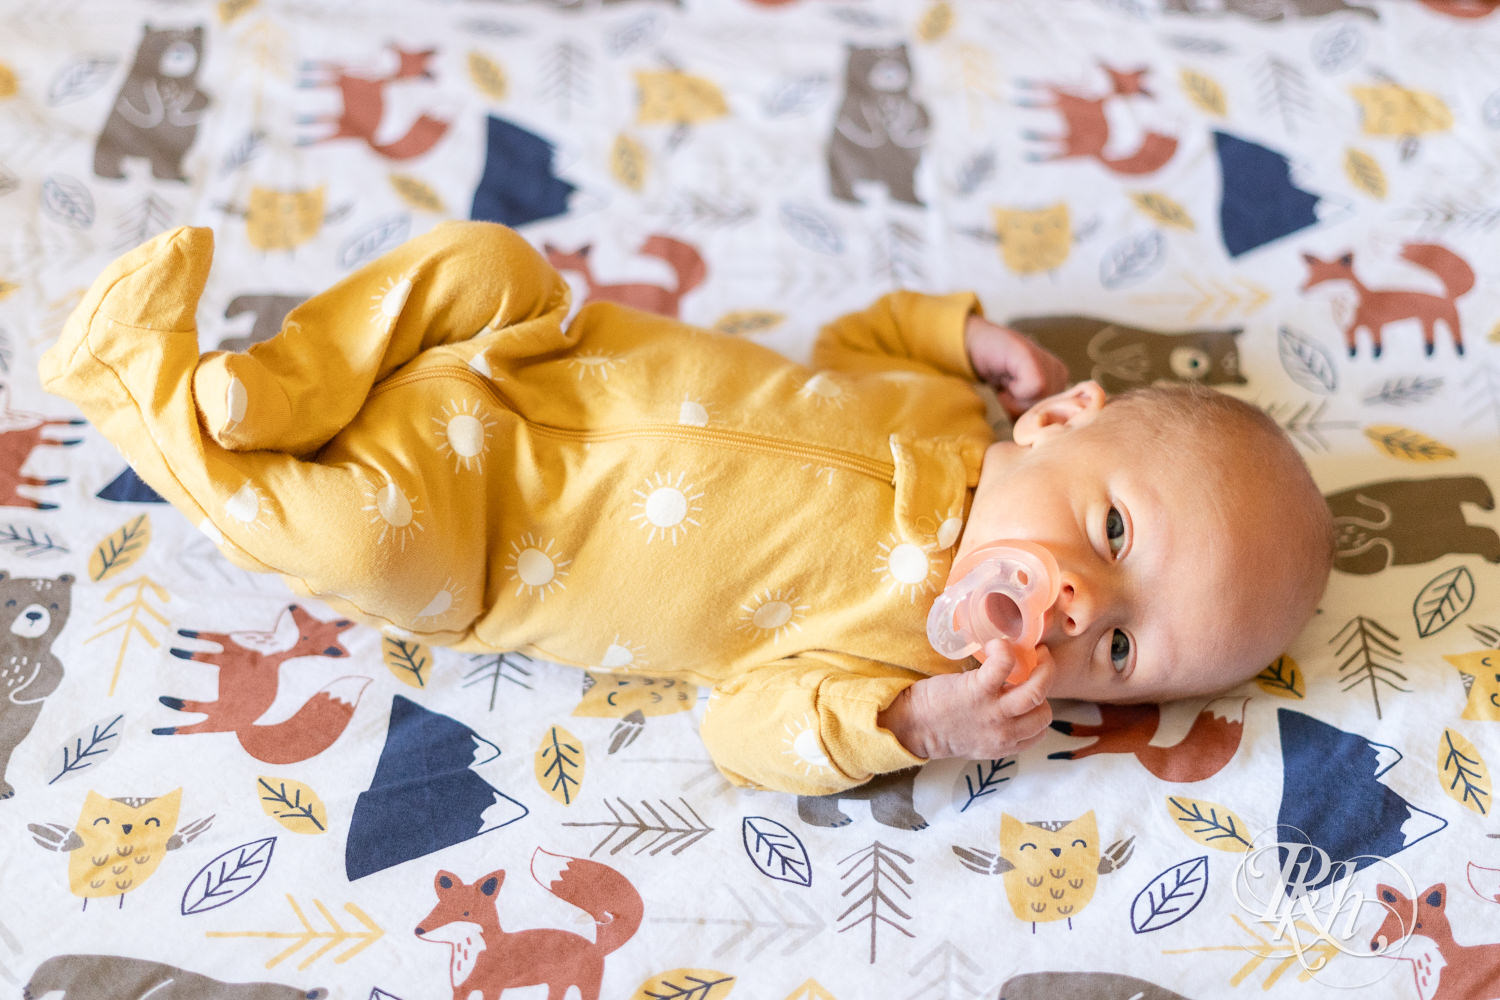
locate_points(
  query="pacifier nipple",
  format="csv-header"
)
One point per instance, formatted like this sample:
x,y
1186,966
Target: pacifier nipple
x,y
999,591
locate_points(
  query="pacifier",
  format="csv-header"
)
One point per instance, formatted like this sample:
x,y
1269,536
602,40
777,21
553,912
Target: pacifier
x,y
1001,590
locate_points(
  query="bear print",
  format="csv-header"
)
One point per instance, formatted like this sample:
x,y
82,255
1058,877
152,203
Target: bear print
x,y
881,127
32,615
115,977
1398,522
156,113
1121,357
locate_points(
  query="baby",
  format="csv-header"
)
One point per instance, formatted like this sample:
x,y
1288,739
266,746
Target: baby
x,y
430,447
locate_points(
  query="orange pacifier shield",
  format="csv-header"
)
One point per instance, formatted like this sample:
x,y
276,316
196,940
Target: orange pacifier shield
x,y
999,591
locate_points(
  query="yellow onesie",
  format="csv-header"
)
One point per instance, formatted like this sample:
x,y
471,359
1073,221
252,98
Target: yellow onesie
x,y
428,447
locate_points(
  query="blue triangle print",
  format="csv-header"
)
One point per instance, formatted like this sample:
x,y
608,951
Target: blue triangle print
x,y
426,794
128,487
1259,202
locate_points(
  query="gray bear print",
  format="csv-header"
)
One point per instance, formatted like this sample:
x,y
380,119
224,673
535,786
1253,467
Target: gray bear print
x,y
156,113
32,615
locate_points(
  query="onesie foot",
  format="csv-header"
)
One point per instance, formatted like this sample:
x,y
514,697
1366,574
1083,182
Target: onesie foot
x,y
240,403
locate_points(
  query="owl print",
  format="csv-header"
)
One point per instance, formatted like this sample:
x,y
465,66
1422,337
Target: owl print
x,y
1050,868
117,843
1034,241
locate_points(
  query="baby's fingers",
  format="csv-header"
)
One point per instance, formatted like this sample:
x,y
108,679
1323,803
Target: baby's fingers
x,y
1030,693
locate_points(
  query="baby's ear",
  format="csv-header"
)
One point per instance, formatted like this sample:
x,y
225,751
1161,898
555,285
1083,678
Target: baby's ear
x,y
1070,408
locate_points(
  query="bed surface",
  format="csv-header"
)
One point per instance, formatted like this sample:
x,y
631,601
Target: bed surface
x,y
1174,190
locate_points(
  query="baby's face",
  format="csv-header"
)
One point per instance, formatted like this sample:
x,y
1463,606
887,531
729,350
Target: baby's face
x,y
1160,567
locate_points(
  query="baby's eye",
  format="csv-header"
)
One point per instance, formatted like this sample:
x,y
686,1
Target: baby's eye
x,y
1119,650
1114,530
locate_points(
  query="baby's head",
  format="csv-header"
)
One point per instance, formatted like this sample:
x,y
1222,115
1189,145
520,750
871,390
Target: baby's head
x,y
1192,541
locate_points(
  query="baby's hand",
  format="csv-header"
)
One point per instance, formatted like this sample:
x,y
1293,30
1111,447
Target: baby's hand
x,y
1022,371
974,714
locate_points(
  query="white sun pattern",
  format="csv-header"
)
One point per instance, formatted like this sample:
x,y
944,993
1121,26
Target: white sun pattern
x,y
778,612
394,513
664,506
623,654
463,430
823,389
246,505
804,746
441,603
596,364
386,305
537,566
906,567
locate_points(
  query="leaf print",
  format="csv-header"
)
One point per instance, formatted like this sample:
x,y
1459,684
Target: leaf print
x,y
1444,598
228,876
1372,657
1133,259
374,240
984,777
1282,678
1163,209
1308,363
133,624
1364,172
776,851
88,747
1170,896
1405,391
68,201
308,932
293,805
488,76
1465,776
812,229
27,541
810,990
739,322
418,194
685,984
560,765
80,78
629,162
406,660
935,22
1209,824
880,868
1205,92
121,549
1408,445
673,828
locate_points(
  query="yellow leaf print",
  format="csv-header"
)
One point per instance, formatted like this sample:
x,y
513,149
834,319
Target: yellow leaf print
x,y
292,804
1481,672
1205,92
1282,678
700,984
672,97
936,22
6,288
1494,336
810,990
1209,824
1390,109
560,764
740,322
1407,445
1464,774
8,84
418,194
1163,209
121,550
1364,172
629,162
408,661
612,696
488,76
229,10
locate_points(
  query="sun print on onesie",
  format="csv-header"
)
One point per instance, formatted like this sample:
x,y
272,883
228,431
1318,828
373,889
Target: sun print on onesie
x,y
944,528
803,746
905,566
386,304
598,364
778,612
693,414
665,506
246,504
824,390
624,654
537,566
464,432
393,512
444,601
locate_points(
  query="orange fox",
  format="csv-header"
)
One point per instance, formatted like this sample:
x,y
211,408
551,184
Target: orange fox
x,y
1377,307
487,960
20,435
1208,746
681,257
249,672
1444,969
1086,131
364,105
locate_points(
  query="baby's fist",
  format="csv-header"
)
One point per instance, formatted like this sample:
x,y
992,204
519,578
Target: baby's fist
x,y
1021,370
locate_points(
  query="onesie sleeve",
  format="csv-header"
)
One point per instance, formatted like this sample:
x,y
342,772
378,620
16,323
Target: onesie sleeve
x,y
806,724
901,330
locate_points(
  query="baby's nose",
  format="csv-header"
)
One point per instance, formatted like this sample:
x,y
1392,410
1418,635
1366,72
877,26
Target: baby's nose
x,y
1074,609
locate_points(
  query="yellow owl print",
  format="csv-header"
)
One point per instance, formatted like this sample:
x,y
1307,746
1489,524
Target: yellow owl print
x,y
117,843
1050,868
283,220
1033,241
672,97
1393,110
1481,673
